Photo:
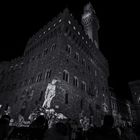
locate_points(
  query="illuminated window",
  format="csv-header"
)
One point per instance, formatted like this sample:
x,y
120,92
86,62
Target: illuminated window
x,y
75,81
83,85
69,22
66,75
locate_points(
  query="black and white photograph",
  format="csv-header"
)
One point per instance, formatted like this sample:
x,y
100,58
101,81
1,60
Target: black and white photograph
x,y
69,70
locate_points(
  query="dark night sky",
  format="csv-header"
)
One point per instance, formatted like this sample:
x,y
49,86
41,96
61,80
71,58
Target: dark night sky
x,y
117,35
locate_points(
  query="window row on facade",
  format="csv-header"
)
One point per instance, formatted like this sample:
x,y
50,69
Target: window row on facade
x,y
76,82
44,31
26,82
45,40
44,53
78,33
77,57
33,58
16,66
80,44
40,77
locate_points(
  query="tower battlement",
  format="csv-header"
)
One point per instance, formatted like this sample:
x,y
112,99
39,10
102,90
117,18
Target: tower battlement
x,y
90,22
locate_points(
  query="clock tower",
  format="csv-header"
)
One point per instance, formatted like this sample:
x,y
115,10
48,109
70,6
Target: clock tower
x,y
90,23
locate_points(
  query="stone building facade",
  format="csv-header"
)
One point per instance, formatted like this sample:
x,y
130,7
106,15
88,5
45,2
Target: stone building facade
x,y
135,92
61,50
121,109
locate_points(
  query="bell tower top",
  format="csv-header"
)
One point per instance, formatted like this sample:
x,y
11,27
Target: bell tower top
x,y
89,8
90,22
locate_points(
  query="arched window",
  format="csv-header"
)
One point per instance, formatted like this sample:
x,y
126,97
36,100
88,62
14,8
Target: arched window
x,y
68,49
88,68
53,47
48,74
41,95
66,75
45,51
31,81
76,56
75,81
39,77
95,73
83,62
83,86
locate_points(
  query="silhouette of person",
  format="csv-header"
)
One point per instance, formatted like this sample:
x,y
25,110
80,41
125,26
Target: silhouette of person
x,y
57,132
107,131
4,126
128,134
38,128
